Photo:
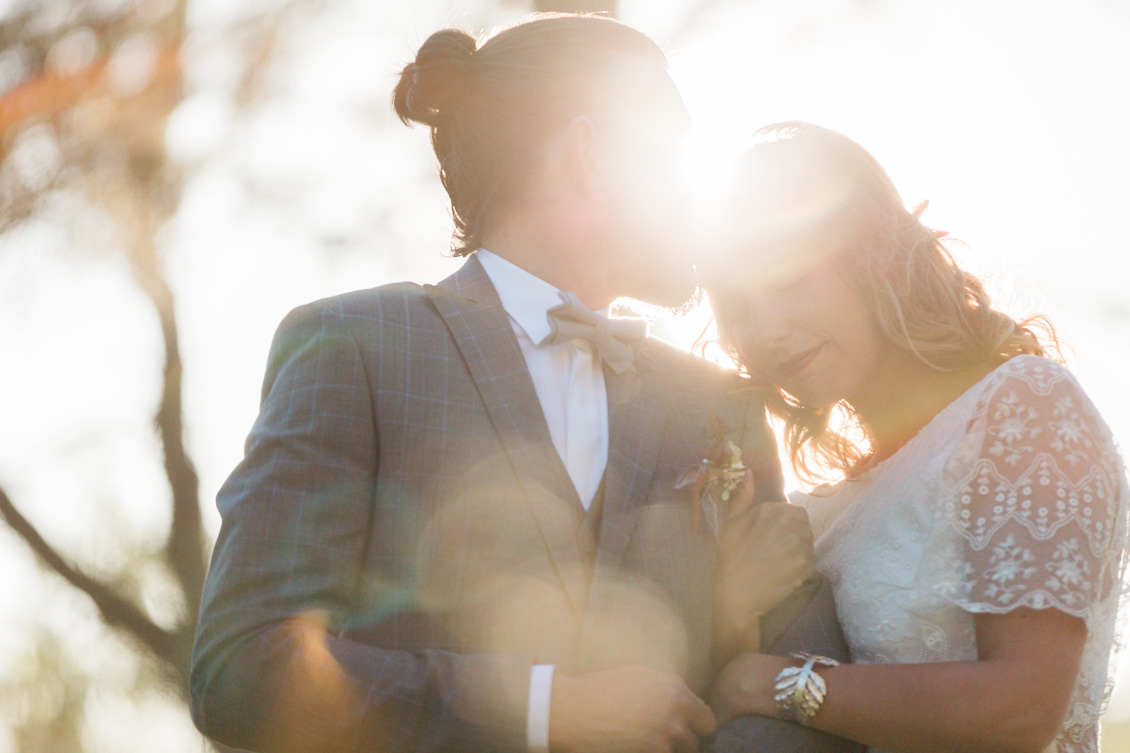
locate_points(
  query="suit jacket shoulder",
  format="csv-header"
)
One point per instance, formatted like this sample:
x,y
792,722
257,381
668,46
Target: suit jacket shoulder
x,y
391,303
735,408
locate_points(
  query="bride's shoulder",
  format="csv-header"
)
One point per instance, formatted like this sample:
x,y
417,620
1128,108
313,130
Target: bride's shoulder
x,y
1033,407
1031,380
1040,373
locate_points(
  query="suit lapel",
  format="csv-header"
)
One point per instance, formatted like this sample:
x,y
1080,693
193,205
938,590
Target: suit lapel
x,y
482,331
636,419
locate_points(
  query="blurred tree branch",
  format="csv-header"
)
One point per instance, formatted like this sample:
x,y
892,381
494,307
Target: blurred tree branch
x,y
117,611
94,100
85,97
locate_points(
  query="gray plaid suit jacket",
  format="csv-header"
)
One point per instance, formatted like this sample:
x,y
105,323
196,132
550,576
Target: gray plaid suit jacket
x,y
400,543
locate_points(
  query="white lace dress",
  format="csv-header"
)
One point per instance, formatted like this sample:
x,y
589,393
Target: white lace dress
x,y
1012,496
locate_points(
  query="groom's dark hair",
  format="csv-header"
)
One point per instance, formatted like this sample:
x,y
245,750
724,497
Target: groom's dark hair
x,y
491,108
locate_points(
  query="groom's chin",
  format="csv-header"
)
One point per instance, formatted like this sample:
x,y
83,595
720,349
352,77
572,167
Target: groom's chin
x,y
682,298
676,305
678,292
690,299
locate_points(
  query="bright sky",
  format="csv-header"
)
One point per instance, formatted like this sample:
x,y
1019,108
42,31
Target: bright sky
x,y
1011,118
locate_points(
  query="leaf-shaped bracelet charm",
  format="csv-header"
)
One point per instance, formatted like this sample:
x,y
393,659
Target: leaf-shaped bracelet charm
x,y
800,691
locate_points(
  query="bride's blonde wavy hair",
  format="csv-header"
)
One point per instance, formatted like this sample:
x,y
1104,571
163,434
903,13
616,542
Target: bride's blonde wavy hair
x,y
920,299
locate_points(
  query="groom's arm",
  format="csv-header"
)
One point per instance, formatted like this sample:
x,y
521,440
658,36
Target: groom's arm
x,y
272,670
277,664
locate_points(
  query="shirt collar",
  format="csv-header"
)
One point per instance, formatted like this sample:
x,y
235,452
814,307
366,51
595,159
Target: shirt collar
x,y
525,297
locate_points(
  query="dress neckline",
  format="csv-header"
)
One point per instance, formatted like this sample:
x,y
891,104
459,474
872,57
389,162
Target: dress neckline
x,y
938,419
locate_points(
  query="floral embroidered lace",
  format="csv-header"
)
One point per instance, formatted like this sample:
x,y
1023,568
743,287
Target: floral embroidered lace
x,y
1013,495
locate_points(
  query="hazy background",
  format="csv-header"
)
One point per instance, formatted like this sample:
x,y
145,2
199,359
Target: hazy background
x,y
177,175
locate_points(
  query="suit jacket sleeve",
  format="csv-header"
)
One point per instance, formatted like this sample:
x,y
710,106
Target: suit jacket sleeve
x,y
806,621
271,670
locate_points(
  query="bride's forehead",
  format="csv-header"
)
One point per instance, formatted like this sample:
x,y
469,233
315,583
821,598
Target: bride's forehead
x,y
771,262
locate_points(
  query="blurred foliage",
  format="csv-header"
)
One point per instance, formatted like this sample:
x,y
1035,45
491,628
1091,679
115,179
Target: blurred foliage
x,y
87,90
47,695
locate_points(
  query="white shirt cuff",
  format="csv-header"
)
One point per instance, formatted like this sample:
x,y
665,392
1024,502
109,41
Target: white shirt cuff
x,y
537,714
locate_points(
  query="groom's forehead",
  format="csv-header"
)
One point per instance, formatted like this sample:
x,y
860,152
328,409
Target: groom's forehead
x,y
643,81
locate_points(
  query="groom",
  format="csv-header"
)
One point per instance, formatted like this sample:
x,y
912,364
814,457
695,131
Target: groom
x,y
456,526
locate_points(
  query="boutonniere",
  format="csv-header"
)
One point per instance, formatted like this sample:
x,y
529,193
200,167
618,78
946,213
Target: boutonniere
x,y
713,482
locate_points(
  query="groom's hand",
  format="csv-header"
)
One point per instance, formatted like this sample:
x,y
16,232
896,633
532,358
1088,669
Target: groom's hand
x,y
628,710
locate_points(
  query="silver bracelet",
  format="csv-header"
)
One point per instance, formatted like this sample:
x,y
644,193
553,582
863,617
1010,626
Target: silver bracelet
x,y
800,690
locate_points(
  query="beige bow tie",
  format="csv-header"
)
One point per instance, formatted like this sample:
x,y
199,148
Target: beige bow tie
x,y
611,338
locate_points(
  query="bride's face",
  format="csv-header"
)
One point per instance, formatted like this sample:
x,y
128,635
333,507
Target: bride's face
x,y
808,330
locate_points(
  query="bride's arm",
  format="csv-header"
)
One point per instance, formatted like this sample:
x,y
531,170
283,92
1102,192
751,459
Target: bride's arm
x,y
1012,698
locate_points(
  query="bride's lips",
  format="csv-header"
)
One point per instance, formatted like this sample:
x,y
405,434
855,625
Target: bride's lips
x,y
791,367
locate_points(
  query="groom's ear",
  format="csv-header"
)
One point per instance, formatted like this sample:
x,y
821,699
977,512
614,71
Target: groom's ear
x,y
582,158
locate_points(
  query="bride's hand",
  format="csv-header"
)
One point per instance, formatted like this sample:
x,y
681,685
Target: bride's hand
x,y
745,686
766,554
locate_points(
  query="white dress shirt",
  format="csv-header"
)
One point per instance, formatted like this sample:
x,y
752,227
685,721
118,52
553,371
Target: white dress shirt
x,y
569,382
568,377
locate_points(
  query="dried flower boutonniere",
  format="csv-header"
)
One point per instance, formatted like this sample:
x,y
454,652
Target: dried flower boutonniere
x,y
713,481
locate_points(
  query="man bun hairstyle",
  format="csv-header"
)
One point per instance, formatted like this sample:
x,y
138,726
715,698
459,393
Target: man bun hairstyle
x,y
429,87
492,107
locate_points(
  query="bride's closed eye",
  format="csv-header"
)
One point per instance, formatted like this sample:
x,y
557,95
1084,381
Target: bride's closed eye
x,y
795,284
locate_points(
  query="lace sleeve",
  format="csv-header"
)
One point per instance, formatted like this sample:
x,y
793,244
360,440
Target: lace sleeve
x,y
1036,494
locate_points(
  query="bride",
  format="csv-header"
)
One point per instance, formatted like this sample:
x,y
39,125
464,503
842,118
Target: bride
x,y
976,537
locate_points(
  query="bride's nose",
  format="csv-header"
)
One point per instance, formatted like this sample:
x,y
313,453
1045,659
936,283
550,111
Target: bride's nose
x,y
761,329
768,325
